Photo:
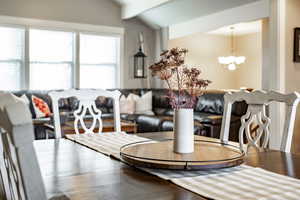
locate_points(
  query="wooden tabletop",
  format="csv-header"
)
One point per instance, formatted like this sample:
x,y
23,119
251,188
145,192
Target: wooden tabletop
x,y
83,174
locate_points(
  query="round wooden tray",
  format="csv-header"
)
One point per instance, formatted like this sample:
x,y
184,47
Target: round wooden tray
x,y
160,155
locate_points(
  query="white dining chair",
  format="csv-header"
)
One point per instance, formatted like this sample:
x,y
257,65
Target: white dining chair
x,y
20,173
256,113
86,106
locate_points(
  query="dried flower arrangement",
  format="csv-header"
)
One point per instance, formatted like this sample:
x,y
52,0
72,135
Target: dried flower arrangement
x,y
184,82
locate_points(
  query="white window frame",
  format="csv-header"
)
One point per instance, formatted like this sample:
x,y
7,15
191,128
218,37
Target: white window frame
x,y
77,29
22,60
73,62
119,57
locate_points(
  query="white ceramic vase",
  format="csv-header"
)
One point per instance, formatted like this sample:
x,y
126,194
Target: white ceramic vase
x,y
183,130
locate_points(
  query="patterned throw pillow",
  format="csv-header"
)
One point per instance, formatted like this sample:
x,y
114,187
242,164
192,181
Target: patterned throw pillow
x,y
41,108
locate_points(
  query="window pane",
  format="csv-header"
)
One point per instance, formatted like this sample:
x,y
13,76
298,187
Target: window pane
x,y
11,43
55,46
96,49
51,59
95,76
50,76
10,75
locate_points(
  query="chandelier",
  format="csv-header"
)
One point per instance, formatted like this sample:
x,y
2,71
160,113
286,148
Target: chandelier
x,y
232,61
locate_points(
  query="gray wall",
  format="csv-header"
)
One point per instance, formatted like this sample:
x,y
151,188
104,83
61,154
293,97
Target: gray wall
x,y
132,29
97,12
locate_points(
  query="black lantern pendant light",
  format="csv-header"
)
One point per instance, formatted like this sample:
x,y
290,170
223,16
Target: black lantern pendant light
x,y
140,61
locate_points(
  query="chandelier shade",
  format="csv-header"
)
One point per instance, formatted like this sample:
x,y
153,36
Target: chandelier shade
x,y
232,61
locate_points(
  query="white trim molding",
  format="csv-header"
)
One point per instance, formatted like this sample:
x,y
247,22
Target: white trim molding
x,y
134,9
248,12
59,25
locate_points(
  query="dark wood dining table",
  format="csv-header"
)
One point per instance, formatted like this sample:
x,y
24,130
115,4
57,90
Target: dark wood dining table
x,y
84,174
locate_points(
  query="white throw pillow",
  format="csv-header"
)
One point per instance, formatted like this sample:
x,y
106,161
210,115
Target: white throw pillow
x,y
22,98
25,99
143,104
127,105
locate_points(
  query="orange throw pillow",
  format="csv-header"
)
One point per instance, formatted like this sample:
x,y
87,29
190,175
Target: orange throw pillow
x,y
41,108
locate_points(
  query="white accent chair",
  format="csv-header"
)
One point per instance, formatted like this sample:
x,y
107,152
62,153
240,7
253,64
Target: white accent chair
x,y
86,105
256,113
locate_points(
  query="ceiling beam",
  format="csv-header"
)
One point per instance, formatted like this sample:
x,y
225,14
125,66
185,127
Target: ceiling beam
x,y
138,7
245,13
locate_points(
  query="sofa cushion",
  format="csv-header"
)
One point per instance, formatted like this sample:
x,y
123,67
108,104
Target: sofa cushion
x,y
159,111
168,125
129,117
148,123
164,111
208,118
211,102
160,99
239,108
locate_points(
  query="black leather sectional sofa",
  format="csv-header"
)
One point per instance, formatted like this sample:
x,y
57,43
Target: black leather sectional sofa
x,y
207,113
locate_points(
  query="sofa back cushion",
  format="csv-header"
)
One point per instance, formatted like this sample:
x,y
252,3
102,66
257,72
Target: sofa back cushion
x,y
212,101
160,99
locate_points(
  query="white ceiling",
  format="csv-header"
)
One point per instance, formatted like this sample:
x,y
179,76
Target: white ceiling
x,y
125,2
239,29
177,11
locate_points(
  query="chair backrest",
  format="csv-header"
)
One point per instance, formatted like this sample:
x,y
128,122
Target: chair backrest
x,y
86,106
256,113
20,173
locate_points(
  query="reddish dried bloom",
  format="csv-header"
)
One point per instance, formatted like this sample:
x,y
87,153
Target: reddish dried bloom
x,y
184,83
165,75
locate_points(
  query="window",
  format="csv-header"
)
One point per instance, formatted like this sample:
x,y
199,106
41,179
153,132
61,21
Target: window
x,y
98,61
40,59
51,59
11,58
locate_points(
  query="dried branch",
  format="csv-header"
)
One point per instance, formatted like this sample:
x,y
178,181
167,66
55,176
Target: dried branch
x,y
187,80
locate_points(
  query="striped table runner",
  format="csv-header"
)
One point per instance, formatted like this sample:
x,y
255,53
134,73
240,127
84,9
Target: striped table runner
x,y
247,184
106,143
237,183
176,174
